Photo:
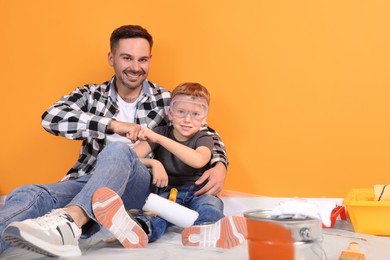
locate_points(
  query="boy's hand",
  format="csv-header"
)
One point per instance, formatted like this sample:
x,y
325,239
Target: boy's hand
x,y
147,135
160,176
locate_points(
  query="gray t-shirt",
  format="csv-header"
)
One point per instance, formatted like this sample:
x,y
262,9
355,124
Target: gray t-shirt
x,y
178,172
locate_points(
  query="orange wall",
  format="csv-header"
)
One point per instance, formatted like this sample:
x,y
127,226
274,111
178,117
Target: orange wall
x,y
300,89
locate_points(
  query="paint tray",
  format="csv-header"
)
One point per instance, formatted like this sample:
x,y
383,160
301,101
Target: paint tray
x,y
367,215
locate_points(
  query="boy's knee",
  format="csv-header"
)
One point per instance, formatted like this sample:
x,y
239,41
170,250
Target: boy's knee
x,y
210,210
212,201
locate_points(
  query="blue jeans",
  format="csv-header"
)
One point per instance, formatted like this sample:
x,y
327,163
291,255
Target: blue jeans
x,y
209,207
117,167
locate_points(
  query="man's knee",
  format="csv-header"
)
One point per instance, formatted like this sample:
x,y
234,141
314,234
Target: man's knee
x,y
117,149
27,193
117,146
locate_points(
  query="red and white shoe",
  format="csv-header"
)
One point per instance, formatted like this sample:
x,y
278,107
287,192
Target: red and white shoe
x,y
109,211
227,233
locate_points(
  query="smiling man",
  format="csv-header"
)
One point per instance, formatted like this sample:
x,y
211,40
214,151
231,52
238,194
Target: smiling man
x,y
50,218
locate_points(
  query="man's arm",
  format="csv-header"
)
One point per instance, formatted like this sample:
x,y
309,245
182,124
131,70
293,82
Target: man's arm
x,y
128,130
71,117
219,150
77,116
215,176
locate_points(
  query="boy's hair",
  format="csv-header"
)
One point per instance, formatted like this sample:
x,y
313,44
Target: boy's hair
x,y
192,89
129,31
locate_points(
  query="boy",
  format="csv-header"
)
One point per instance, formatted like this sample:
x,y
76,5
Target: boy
x,y
181,154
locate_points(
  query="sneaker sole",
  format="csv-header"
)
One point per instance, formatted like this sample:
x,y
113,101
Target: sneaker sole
x,y
227,233
109,210
17,238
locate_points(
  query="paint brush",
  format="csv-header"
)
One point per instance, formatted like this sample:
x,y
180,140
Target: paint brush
x,y
353,253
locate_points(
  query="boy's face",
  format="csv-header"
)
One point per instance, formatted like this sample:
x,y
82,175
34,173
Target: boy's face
x,y
187,117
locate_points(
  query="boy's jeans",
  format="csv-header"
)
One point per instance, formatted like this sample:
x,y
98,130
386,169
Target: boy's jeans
x,y
117,168
209,207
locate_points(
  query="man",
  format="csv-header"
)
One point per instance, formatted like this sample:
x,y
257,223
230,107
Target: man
x,y
100,115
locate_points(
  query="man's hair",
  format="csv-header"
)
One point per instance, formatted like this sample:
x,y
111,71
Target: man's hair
x,y
192,89
129,31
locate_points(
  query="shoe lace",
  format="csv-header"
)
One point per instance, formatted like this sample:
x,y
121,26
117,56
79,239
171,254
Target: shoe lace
x,y
52,219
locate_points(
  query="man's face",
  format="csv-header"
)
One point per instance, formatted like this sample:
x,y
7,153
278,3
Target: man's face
x,y
131,62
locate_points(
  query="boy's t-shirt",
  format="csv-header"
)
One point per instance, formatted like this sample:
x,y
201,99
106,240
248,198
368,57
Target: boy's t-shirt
x,y
178,172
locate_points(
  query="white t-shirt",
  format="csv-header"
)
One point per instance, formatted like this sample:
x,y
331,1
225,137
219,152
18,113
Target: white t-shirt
x,y
126,114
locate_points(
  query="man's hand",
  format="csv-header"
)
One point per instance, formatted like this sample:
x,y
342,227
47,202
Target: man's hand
x,y
215,177
127,130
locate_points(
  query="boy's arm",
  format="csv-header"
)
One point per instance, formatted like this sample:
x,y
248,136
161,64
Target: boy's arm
x,y
160,176
142,149
196,158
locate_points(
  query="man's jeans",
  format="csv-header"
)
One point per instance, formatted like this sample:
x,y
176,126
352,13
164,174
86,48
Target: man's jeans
x,y
209,207
117,168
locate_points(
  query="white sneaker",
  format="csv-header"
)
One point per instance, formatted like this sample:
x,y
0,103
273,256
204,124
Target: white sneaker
x,y
109,210
54,234
226,233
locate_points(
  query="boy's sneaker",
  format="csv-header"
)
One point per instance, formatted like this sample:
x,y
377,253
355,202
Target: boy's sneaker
x,y
54,234
109,211
228,232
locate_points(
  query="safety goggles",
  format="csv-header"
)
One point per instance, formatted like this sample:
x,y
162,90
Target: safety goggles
x,y
182,107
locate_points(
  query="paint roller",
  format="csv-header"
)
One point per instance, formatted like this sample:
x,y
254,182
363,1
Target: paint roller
x,y
170,211
382,192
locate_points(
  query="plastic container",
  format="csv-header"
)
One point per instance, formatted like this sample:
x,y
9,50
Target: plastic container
x,y
367,215
283,239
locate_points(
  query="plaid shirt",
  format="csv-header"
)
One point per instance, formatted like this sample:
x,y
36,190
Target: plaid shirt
x,y
85,113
